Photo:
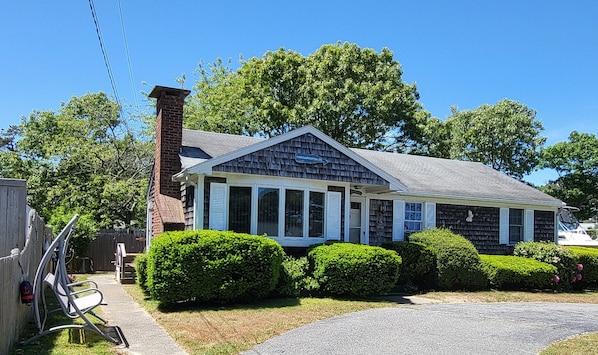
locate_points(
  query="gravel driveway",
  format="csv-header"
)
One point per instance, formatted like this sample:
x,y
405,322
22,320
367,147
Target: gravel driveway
x,y
458,328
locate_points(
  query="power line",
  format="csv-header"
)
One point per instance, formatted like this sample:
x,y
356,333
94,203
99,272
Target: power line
x,y
105,55
122,25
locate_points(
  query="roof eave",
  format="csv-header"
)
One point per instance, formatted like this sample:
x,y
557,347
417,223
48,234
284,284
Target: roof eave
x,y
556,203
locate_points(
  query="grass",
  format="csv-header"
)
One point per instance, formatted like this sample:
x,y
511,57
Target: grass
x,y
514,296
579,345
234,328
64,342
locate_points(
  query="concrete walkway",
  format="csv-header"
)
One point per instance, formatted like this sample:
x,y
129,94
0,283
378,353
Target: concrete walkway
x,y
144,335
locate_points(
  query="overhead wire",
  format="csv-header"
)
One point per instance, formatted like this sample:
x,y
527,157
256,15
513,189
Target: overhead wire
x,y
104,54
122,25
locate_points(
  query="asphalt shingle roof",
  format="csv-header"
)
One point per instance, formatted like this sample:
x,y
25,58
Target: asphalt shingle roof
x,y
453,178
420,175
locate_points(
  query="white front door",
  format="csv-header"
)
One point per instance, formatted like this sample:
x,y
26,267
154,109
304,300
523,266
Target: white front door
x,y
357,220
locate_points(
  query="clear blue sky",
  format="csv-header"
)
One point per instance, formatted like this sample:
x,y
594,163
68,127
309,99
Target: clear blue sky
x,y
460,53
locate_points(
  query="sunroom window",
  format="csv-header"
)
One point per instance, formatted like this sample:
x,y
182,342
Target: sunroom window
x,y
316,214
239,209
267,211
293,218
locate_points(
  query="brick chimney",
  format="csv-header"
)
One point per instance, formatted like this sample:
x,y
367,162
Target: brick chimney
x,y
169,131
165,202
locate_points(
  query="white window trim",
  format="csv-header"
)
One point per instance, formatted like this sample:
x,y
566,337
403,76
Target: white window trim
x,y
429,219
504,226
218,215
528,225
398,220
333,215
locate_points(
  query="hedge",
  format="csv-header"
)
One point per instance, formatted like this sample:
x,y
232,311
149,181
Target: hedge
x,y
294,278
457,260
563,258
588,257
141,271
354,270
212,266
418,266
509,272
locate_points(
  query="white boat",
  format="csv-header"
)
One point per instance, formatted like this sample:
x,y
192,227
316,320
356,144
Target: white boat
x,y
570,230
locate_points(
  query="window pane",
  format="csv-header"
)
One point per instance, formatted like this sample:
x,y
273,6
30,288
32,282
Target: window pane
x,y
267,211
239,209
316,214
413,218
515,225
293,213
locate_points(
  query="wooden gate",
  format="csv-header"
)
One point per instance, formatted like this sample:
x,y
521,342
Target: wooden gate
x,y
101,252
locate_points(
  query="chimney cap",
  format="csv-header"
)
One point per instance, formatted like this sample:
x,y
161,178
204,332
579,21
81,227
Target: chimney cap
x,y
158,90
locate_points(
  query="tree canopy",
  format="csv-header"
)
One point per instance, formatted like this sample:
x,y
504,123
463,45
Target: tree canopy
x,y
504,136
576,162
356,96
82,159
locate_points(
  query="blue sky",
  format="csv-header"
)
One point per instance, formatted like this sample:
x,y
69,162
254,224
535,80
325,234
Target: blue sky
x,y
460,53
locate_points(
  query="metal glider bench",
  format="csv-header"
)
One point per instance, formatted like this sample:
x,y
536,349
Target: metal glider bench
x,y
74,303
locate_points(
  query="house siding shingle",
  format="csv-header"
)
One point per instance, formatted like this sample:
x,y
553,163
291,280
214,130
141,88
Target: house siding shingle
x,y
380,222
482,231
279,160
544,226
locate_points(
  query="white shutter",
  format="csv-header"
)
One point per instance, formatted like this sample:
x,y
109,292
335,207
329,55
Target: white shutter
x,y
528,226
430,217
398,220
333,215
504,226
217,212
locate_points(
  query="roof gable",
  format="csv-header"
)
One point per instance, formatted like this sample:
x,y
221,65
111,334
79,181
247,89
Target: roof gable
x,y
306,140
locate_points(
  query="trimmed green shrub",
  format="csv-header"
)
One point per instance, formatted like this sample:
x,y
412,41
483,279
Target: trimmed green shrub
x,y
418,266
564,260
354,270
294,280
457,260
141,270
212,266
588,258
509,272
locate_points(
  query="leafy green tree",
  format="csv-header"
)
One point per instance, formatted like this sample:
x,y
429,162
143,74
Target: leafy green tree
x,y
504,136
217,103
576,162
354,95
82,159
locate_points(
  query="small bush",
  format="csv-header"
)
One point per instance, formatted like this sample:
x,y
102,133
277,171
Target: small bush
x,y
294,280
564,259
418,266
212,266
508,272
457,260
355,270
588,257
141,270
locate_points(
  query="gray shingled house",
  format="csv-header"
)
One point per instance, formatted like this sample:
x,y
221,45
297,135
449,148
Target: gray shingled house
x,y
303,187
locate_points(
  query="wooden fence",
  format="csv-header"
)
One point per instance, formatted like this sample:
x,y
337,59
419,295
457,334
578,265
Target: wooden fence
x,y
101,251
22,236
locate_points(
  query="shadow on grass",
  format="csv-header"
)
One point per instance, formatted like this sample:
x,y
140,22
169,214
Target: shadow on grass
x,y
66,341
191,306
